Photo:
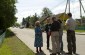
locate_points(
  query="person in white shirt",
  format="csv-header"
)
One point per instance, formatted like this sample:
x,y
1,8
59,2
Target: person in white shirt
x,y
71,39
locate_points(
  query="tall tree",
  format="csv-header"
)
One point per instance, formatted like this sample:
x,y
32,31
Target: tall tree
x,y
23,21
7,13
46,12
83,17
27,21
33,19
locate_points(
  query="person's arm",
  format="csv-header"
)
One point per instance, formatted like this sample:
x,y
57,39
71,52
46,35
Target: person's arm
x,y
67,23
46,28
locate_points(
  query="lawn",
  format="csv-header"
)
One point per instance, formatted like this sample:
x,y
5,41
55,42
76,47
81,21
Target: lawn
x,y
80,30
13,46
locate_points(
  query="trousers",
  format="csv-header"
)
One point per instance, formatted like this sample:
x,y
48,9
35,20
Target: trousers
x,y
55,42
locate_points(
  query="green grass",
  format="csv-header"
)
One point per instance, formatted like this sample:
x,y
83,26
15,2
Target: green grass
x,y
80,30
13,46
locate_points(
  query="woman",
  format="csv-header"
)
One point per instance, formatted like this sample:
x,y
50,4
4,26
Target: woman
x,y
38,37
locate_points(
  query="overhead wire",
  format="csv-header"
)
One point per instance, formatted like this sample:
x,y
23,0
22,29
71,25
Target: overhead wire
x,y
58,5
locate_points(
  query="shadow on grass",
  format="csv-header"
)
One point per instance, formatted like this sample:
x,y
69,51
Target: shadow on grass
x,y
9,33
41,53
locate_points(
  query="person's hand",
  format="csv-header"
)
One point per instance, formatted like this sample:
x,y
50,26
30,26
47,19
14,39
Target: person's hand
x,y
49,33
42,30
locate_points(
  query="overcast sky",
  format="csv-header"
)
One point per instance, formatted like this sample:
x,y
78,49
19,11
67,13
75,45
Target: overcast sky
x,y
30,7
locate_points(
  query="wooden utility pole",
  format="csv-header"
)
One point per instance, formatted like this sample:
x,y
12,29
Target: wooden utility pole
x,y
66,6
65,10
81,6
80,12
69,5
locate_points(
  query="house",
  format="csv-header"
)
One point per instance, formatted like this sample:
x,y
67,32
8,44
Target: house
x,y
81,21
61,16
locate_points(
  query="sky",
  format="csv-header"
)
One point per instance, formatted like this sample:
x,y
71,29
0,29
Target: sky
x,y
26,8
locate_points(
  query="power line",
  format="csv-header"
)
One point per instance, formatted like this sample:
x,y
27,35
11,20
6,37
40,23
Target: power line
x,y
58,5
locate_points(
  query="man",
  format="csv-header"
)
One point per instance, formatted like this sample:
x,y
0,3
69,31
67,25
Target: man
x,y
71,39
60,35
47,29
55,26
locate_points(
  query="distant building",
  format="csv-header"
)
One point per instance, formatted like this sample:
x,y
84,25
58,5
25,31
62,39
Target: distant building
x,y
61,16
83,21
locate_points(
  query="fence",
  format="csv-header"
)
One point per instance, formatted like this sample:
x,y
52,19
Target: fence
x,y
80,28
2,36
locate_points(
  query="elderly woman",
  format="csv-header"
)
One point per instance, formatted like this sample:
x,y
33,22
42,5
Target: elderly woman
x,y
38,37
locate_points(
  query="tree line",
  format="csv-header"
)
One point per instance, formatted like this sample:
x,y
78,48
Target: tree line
x,y
30,20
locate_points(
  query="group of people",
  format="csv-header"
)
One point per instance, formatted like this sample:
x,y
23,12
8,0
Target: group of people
x,y
55,30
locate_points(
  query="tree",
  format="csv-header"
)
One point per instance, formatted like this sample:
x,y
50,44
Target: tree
x,y
23,21
83,17
46,12
27,21
7,13
17,24
33,19
83,20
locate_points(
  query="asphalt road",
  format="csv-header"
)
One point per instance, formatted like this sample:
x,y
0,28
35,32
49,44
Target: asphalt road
x,y
27,36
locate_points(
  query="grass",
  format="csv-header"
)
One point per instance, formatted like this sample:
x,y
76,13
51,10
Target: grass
x,y
13,46
80,30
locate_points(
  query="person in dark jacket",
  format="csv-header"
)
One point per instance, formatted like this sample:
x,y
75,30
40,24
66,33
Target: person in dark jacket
x,y
47,29
55,26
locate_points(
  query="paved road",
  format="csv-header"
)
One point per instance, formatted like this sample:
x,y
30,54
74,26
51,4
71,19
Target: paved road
x,y
27,36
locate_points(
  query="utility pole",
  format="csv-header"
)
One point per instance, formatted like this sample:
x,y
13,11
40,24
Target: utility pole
x,y
82,7
80,12
69,5
66,6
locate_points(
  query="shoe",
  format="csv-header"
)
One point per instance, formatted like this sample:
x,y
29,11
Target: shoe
x,y
47,48
37,51
53,54
58,53
41,51
69,53
62,52
75,54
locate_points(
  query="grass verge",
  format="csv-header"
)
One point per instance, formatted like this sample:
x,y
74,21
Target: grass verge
x,y
80,30
13,46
